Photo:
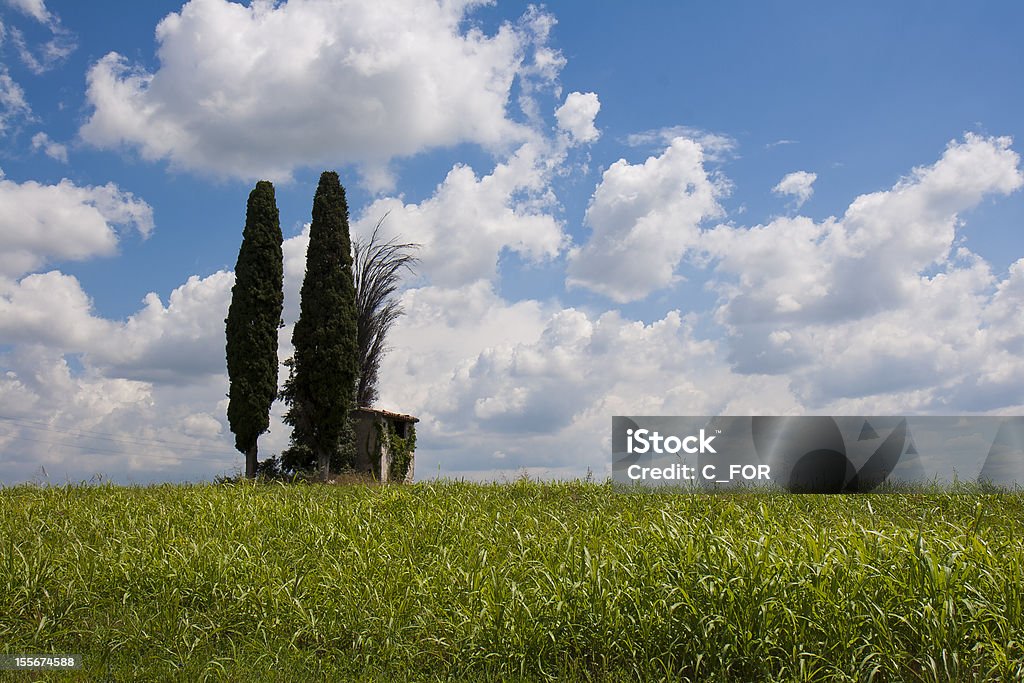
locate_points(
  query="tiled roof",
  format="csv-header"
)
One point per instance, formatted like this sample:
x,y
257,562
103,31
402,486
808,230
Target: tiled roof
x,y
387,413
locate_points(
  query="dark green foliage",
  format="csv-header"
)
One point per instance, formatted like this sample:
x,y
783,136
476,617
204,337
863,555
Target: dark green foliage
x,y
378,269
252,323
300,459
269,468
320,389
401,451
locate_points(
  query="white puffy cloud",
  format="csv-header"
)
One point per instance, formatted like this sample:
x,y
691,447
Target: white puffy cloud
x,y
256,91
175,343
42,223
880,301
52,149
576,116
878,311
644,218
60,423
442,328
799,185
533,384
168,344
468,221
137,399
49,309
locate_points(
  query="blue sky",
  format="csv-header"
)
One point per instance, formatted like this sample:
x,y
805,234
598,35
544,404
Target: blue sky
x,y
643,208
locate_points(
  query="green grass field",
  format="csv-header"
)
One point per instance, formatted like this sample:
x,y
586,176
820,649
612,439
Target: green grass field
x,y
520,581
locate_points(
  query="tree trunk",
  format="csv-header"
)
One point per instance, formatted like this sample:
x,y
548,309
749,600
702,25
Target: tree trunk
x,y
323,463
250,461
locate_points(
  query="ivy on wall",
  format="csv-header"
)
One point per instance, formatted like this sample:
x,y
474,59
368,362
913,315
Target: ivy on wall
x,y
400,450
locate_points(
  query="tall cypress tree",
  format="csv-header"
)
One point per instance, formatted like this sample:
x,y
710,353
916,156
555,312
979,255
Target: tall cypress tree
x,y
320,390
254,317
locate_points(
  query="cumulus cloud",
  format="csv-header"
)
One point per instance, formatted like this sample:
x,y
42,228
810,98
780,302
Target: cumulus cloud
x,y
881,310
576,116
879,300
43,223
152,385
551,376
49,309
644,218
799,185
61,423
52,149
469,220
172,344
256,91
168,344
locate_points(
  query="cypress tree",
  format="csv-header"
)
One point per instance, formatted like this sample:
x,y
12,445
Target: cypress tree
x,y
254,317
320,390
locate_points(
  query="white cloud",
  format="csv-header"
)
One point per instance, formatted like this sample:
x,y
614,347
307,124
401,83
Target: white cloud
x,y
175,343
799,185
49,309
76,424
42,223
644,218
13,106
716,146
538,382
879,311
53,52
52,149
153,385
879,301
33,8
169,344
468,221
540,69
50,54
576,116
258,91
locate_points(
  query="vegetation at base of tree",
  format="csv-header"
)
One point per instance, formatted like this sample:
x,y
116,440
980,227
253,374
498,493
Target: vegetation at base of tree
x,y
321,386
378,270
512,582
254,317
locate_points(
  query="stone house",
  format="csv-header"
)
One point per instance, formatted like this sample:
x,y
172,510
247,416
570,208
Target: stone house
x,y
385,444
